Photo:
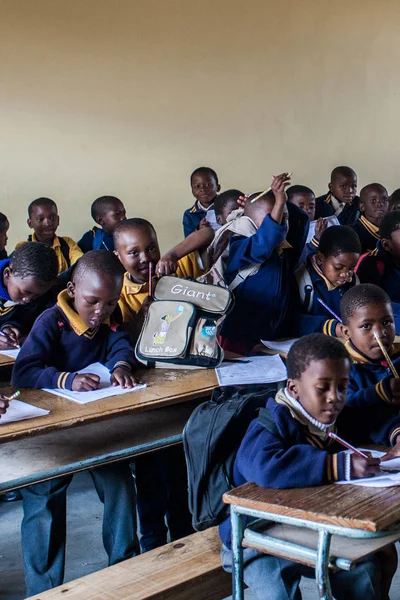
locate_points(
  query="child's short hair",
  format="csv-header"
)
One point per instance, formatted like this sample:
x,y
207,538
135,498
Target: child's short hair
x,y
389,224
374,186
41,202
316,346
101,205
359,296
4,223
33,259
339,239
298,189
224,199
134,223
342,172
207,170
98,261
394,198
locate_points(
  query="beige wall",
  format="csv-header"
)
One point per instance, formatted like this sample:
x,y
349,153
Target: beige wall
x,y
128,96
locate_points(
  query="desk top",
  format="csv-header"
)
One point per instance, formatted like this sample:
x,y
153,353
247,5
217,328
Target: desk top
x,y
165,387
6,361
370,509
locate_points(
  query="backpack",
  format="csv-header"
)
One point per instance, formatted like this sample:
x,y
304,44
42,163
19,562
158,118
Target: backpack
x,y
63,247
306,287
181,326
211,439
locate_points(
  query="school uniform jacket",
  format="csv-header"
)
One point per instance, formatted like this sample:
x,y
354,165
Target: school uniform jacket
x,y
318,319
263,300
378,267
60,344
96,239
74,252
291,457
348,216
367,232
192,217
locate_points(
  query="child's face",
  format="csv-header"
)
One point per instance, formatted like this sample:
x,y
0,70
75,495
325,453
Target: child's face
x,y
306,202
4,237
338,269
204,188
226,211
392,245
367,320
112,217
24,290
95,297
394,205
322,388
136,249
374,204
344,188
44,221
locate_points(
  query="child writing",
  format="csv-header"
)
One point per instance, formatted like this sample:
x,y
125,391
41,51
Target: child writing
x,y
205,187
297,452
374,205
326,276
4,227
341,200
106,211
66,338
28,274
44,220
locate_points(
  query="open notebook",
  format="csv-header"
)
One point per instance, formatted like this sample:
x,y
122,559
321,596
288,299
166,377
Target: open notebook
x,y
390,473
19,411
105,390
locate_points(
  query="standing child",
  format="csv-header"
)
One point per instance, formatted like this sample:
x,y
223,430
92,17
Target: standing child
x,y
205,187
66,338
108,212
4,227
341,200
374,205
44,220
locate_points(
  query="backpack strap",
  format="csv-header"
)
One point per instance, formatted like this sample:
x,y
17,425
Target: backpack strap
x,y
97,238
65,251
305,285
242,275
265,419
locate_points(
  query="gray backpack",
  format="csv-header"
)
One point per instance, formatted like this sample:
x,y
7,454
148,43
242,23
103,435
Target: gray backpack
x,y
181,326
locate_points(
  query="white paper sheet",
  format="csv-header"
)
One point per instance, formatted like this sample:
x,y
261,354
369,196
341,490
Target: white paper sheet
x,y
255,369
387,479
282,346
13,353
212,219
105,391
19,411
330,220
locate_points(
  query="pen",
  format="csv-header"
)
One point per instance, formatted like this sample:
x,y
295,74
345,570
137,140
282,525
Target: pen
x,y
386,355
346,444
330,310
150,279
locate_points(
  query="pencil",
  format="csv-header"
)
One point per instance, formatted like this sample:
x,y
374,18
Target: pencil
x,y
14,396
386,355
150,279
265,191
346,444
330,310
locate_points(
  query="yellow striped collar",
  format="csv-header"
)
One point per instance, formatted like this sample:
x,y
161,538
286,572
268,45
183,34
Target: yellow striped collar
x,y
317,269
132,287
370,227
77,324
359,358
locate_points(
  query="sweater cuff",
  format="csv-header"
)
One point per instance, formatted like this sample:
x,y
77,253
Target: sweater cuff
x,y
393,436
329,327
314,242
336,467
65,379
122,364
383,390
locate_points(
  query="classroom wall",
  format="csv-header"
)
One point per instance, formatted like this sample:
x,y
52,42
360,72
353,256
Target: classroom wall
x,y
127,97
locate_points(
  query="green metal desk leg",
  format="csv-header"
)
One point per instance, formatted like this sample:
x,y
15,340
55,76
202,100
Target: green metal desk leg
x,y
321,567
237,555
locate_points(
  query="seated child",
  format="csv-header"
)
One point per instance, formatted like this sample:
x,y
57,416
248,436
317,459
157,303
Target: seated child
x,y
205,187
341,200
4,227
394,201
295,451
326,276
66,338
106,211
43,219
28,274
374,205
382,265
225,203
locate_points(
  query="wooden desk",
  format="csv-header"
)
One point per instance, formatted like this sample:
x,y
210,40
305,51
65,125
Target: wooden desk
x,y
6,361
343,510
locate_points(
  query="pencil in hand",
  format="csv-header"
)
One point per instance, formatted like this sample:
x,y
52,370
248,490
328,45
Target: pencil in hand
x,y
386,355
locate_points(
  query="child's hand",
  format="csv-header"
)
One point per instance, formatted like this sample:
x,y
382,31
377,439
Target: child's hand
x,y
364,467
395,389
167,264
123,377
85,382
241,201
10,338
278,185
3,405
203,223
320,227
393,452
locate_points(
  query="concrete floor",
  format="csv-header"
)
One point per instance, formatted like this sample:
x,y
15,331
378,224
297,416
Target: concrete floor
x,y
84,531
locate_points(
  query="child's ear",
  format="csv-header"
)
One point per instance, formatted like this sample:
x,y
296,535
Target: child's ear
x,y
386,244
319,258
6,274
218,188
292,388
362,207
345,333
29,221
330,187
116,253
71,289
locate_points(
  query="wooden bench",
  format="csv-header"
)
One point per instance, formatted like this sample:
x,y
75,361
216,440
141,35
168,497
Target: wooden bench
x,y
186,569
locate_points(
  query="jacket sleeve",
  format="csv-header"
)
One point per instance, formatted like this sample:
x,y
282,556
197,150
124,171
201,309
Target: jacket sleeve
x,y
360,397
306,324
31,369
299,224
119,351
188,226
75,252
368,272
86,242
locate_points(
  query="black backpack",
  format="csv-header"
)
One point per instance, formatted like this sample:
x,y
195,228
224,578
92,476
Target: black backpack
x,y
211,439
63,247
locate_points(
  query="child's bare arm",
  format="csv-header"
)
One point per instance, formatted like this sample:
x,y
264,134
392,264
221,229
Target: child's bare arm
x,y
195,241
278,185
